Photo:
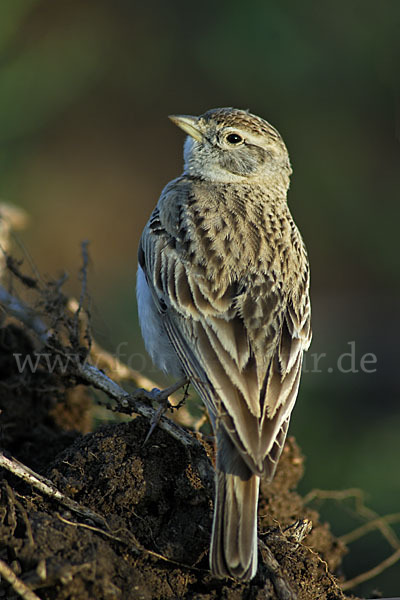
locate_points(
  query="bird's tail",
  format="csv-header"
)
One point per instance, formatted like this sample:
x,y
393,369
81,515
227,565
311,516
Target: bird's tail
x,y
233,549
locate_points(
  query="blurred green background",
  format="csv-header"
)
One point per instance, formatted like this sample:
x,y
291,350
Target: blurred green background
x,y
85,147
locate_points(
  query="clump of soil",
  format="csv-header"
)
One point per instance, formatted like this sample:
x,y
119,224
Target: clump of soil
x,y
155,500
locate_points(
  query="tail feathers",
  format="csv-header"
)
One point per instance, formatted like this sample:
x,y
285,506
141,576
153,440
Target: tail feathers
x,y
234,537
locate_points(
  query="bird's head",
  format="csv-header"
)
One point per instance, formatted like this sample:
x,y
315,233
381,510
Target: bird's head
x,y
229,145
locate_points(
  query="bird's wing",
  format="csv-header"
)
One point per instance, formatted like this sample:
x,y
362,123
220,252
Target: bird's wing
x,y
242,352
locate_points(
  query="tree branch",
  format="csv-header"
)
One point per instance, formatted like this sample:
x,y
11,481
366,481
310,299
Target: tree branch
x,y
17,584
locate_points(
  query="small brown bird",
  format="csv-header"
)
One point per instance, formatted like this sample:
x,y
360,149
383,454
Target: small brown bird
x,y
223,296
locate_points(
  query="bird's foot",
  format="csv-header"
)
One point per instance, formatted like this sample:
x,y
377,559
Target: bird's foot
x,y
161,396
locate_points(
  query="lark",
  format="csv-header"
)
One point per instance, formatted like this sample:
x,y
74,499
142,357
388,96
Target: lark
x,y
223,299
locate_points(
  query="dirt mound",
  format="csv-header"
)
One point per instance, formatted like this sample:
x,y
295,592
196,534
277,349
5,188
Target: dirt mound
x,y
154,501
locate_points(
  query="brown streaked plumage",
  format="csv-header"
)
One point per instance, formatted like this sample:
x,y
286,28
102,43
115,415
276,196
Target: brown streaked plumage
x,y
222,290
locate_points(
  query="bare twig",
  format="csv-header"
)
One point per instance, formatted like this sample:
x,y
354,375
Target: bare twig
x,y
133,403
127,403
135,547
24,515
63,328
358,496
119,371
354,535
282,587
45,486
23,313
13,266
104,360
375,522
385,564
18,586
334,495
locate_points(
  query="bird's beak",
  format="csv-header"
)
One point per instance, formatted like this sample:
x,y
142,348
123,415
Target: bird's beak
x,y
189,124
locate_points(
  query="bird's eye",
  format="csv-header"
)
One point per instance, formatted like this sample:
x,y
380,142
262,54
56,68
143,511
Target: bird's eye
x,y
234,138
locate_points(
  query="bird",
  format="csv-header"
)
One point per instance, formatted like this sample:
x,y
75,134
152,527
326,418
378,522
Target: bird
x,y
223,300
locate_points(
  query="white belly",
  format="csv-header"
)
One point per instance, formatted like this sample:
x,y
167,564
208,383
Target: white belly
x,y
154,335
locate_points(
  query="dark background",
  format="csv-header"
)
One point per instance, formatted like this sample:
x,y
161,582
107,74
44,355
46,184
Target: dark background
x,y
86,147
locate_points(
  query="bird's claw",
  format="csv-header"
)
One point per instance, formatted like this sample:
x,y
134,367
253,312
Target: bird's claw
x,y
161,396
155,421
